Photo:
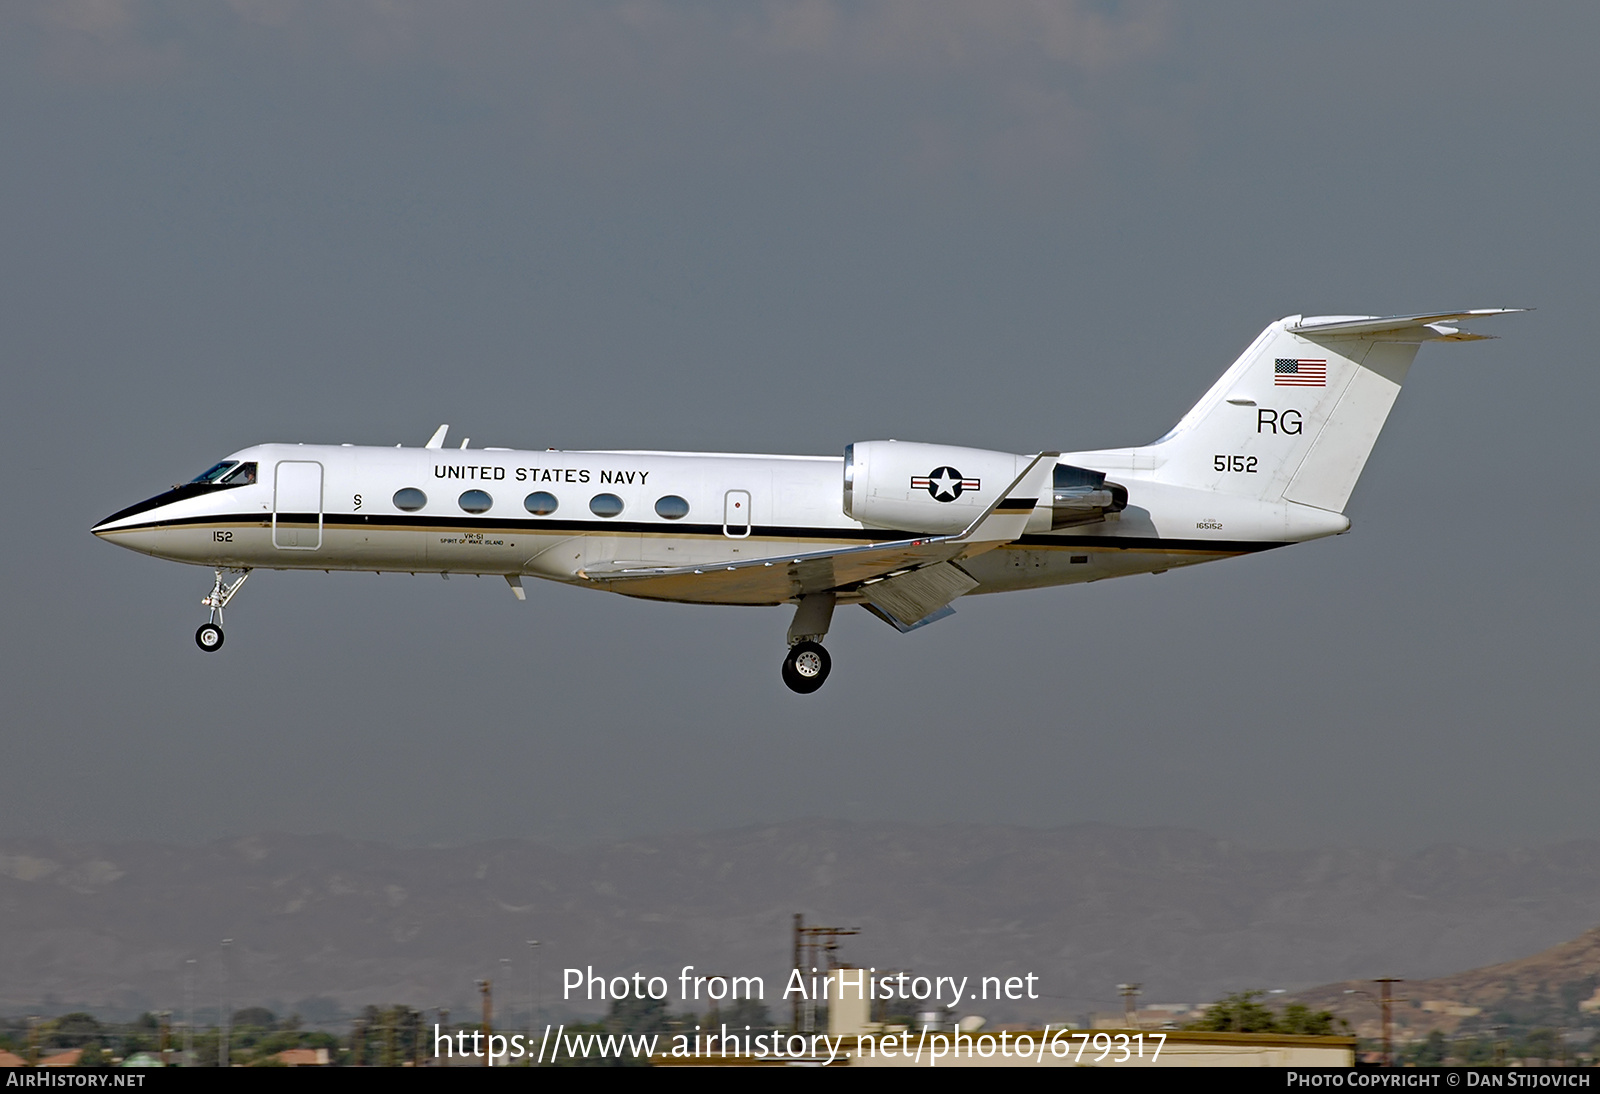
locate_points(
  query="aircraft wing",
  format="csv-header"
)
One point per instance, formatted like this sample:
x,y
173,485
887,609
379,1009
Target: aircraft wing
x,y
778,578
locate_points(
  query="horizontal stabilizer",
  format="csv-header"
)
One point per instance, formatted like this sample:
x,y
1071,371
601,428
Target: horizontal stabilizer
x,y
1427,327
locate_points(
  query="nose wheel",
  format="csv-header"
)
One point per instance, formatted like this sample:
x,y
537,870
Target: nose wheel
x,y
806,667
209,636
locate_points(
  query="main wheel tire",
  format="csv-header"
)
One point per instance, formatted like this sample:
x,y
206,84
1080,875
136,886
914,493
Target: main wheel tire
x,y
209,637
806,667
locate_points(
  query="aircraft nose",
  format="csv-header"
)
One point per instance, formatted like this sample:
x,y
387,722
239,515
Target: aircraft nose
x,y
107,524
104,524
100,528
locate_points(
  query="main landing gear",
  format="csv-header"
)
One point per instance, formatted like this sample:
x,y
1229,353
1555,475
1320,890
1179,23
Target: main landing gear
x,y
209,636
806,667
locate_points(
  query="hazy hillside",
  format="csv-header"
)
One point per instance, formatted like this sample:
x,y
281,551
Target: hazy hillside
x,y
110,926
1547,988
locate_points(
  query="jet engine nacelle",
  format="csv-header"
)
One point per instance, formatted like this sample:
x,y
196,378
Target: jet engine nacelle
x,y
935,488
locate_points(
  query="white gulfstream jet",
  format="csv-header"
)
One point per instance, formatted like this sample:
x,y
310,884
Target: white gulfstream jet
x,y
1268,457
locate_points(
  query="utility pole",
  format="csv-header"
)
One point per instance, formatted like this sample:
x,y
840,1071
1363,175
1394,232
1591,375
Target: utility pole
x,y
794,1004
809,942
1388,1040
486,989
227,1008
1383,1003
533,989
505,978
188,1025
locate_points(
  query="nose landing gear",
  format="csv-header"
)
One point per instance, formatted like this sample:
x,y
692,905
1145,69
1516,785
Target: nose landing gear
x,y
209,637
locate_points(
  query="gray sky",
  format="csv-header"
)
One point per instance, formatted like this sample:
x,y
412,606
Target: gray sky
x,y
787,227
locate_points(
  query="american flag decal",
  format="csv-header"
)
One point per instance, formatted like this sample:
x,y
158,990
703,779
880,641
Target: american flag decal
x,y
1292,372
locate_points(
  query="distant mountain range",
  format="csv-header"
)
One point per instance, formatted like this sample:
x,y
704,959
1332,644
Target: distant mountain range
x,y
324,925
1555,987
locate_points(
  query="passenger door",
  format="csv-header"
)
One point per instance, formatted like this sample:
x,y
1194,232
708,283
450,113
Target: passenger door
x,y
297,505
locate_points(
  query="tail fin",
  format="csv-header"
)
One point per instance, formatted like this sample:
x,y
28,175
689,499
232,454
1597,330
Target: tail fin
x,y
1297,414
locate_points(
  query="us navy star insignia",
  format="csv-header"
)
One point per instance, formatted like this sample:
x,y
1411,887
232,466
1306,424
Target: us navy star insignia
x,y
944,484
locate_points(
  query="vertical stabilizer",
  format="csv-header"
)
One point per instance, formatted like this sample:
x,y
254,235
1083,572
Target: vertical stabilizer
x,y
1298,413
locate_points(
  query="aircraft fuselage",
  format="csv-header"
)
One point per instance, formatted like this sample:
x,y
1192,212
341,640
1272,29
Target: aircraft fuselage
x,y
334,507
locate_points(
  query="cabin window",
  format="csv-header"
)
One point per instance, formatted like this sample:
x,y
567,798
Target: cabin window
x,y
243,475
216,472
672,507
410,499
476,501
605,505
541,503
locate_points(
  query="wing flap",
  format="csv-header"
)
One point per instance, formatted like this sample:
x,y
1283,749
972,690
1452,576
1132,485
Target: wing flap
x,y
909,598
775,580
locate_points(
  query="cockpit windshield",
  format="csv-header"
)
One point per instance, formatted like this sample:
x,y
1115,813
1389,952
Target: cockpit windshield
x,y
216,472
227,473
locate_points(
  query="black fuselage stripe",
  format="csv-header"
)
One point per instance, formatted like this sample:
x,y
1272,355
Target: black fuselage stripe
x,y
396,522
176,494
